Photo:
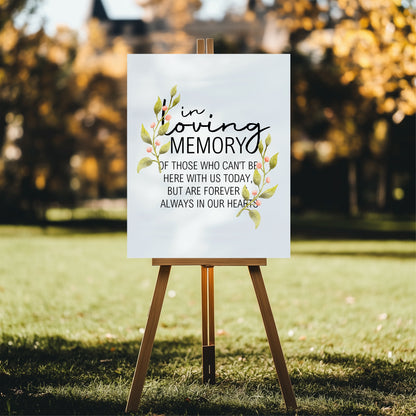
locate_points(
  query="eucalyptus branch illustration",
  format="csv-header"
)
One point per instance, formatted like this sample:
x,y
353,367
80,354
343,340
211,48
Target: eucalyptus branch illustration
x,y
159,129
260,179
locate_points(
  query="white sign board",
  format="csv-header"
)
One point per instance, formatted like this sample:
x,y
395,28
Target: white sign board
x,y
208,156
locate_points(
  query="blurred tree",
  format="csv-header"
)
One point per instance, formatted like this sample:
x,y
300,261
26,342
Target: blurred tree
x,y
375,47
62,118
99,76
10,8
357,76
330,124
34,103
374,44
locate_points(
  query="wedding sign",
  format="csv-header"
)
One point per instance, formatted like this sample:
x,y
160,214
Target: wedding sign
x,y
208,156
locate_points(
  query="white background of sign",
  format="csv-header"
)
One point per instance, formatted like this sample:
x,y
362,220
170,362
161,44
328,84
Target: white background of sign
x,y
233,88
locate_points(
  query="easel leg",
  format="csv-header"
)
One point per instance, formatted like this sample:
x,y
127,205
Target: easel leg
x,y
273,337
148,339
208,328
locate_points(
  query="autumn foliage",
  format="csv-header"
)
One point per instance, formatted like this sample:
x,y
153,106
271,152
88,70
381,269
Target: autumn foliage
x,y
63,101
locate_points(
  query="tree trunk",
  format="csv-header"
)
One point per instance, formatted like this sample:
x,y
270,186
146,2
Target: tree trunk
x,y
382,187
352,187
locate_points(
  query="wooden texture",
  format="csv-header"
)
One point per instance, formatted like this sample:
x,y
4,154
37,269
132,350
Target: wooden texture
x,y
211,322
204,303
273,337
209,262
148,339
208,325
210,45
200,46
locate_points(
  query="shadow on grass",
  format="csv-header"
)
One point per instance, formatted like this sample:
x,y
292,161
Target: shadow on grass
x,y
58,376
402,255
321,226
357,373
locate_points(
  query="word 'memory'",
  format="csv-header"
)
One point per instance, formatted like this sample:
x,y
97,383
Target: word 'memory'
x,y
216,144
228,144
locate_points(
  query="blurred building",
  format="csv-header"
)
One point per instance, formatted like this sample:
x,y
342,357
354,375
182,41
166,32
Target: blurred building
x,y
133,31
174,29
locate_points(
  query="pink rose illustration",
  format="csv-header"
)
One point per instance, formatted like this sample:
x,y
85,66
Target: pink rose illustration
x,y
159,128
260,179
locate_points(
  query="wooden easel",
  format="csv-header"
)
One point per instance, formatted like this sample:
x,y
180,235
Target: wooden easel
x,y
208,328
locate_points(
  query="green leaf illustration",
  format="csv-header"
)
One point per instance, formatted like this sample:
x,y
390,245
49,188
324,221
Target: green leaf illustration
x,y
173,91
164,148
268,193
163,129
261,147
145,135
273,161
268,140
158,106
144,163
257,177
245,193
255,216
176,100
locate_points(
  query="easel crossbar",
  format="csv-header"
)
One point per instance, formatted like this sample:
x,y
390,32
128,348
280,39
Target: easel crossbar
x,y
209,262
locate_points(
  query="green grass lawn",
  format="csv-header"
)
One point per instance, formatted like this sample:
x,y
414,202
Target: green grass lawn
x,y
73,309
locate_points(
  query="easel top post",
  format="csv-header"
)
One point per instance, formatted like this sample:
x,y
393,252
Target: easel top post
x,y
205,46
210,45
200,46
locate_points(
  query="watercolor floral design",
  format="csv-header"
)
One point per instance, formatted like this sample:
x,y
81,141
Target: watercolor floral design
x,y
260,180
158,130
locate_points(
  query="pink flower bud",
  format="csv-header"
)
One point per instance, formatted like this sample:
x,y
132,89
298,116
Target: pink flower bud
x,y
165,107
168,117
152,125
268,180
258,202
157,142
258,165
266,159
149,149
254,192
